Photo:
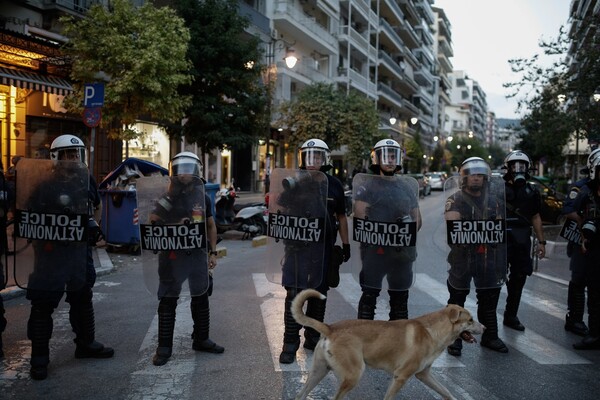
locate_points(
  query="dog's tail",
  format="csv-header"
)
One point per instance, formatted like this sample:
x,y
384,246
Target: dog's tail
x,y
302,318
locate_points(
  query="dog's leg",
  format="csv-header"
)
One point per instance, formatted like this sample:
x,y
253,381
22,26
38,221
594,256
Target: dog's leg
x,y
317,372
401,375
348,367
428,379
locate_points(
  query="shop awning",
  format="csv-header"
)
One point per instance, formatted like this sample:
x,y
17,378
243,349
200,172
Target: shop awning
x,y
34,81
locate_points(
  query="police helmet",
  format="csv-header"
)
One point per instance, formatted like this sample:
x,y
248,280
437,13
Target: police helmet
x,y
185,163
314,153
475,166
517,162
386,152
594,156
69,148
595,168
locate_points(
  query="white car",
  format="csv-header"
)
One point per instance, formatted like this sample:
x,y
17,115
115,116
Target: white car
x,y
436,180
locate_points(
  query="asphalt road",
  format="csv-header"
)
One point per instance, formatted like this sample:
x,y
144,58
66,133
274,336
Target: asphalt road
x,y
246,318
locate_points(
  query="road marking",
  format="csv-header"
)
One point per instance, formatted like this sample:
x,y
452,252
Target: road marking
x,y
174,379
531,344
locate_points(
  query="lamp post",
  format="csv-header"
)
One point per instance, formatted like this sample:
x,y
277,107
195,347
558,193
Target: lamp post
x,y
274,45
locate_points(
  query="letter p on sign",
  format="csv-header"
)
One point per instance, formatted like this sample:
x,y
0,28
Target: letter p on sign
x,y
93,95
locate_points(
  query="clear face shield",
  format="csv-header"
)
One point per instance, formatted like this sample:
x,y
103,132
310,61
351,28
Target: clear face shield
x,y
313,158
185,167
389,156
73,154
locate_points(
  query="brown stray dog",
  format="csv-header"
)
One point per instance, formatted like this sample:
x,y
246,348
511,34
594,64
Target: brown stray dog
x,y
402,348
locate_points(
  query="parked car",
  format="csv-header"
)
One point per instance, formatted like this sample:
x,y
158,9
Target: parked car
x,y
424,186
436,180
552,203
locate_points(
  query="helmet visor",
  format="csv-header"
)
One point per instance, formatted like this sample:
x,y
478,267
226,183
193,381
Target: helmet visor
x,y
519,167
313,158
476,168
389,156
72,154
185,167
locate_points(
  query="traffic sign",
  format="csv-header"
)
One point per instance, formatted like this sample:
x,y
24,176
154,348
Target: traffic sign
x,y
92,117
93,95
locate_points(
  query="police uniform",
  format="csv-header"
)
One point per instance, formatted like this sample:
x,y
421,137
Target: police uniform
x,y
522,204
576,292
587,204
393,263
175,268
47,283
299,262
480,263
5,200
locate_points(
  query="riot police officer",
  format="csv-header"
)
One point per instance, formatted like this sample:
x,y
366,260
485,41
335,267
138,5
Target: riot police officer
x,y
587,206
523,202
485,264
4,207
47,286
185,201
389,200
576,292
314,155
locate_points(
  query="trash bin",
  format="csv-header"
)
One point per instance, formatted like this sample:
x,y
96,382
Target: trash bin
x,y
119,202
211,190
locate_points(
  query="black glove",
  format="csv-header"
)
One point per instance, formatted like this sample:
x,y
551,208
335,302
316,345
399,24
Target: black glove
x,y
94,232
346,252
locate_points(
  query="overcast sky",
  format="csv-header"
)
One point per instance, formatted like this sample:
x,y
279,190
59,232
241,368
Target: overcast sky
x,y
487,33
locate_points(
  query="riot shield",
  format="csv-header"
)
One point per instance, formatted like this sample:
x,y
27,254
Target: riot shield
x,y
384,230
173,240
51,218
570,231
476,233
296,230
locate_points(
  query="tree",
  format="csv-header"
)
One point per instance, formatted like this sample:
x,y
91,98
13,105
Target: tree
x,y
229,103
142,50
321,111
414,151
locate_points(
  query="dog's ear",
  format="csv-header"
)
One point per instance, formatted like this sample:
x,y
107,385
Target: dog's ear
x,y
453,313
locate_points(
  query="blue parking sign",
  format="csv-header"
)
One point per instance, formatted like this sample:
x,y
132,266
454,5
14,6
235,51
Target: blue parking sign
x,y
93,95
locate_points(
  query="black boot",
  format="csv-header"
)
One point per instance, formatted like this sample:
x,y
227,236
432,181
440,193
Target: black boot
x,y
39,331
291,335
455,349
514,287
315,308
166,325
592,340
81,316
2,321
201,316
458,297
367,305
398,304
486,313
576,305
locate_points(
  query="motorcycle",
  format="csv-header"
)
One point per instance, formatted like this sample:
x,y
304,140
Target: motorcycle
x,y
251,219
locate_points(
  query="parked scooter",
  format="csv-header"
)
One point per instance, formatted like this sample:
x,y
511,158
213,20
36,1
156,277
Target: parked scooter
x,y
250,218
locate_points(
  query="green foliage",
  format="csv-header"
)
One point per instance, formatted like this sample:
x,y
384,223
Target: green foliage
x,y
460,151
414,151
229,102
549,122
321,111
142,50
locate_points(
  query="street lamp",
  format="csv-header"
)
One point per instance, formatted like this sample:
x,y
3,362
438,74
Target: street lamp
x,y
274,45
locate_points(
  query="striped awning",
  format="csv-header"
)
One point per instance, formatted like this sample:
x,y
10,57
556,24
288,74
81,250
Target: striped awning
x,y
34,81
